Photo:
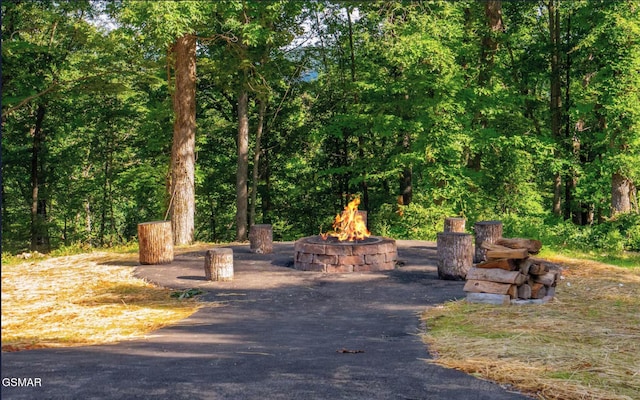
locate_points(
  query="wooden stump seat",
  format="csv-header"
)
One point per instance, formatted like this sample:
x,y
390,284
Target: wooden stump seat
x,y
455,255
454,224
486,231
218,264
155,242
261,239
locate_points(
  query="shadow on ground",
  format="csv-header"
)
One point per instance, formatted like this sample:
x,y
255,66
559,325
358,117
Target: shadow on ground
x,y
279,334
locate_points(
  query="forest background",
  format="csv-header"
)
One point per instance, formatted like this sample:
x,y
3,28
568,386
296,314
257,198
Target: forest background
x,y
222,114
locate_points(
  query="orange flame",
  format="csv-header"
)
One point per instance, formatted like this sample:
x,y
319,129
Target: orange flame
x,y
349,225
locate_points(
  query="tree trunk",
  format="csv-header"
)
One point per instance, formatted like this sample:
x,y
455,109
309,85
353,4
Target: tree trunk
x,y
555,102
155,242
256,162
406,181
243,164
493,13
557,194
266,193
621,189
573,209
39,231
182,203
406,186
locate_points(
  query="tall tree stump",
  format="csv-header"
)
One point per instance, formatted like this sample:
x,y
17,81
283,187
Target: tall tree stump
x,y
455,255
486,231
218,264
261,239
155,242
454,224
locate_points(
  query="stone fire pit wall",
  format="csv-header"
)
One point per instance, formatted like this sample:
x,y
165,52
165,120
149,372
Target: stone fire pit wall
x,y
313,254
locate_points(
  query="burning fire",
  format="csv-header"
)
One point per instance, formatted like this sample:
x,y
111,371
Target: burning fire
x,y
349,225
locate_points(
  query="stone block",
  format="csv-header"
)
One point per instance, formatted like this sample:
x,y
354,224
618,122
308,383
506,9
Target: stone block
x,y
310,267
391,257
325,259
339,268
314,248
353,260
305,257
342,250
374,258
363,268
363,250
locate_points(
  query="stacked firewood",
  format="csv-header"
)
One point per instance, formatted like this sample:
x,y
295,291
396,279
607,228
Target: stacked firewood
x,y
509,274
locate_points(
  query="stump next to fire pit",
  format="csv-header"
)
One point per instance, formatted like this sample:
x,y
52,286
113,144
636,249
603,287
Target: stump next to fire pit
x,y
371,254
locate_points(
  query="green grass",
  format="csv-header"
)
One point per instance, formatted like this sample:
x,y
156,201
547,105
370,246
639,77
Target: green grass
x,y
625,259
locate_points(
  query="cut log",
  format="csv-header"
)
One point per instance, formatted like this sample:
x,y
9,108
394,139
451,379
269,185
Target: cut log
x,y
513,292
538,291
261,239
496,275
538,269
502,263
548,279
155,242
489,298
508,253
495,251
524,265
454,224
493,246
551,266
455,255
524,291
486,231
533,246
218,264
476,286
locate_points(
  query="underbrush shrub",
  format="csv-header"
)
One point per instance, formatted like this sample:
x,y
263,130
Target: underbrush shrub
x,y
619,233
533,227
614,235
414,221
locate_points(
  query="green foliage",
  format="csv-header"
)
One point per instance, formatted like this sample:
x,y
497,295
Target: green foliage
x,y
393,92
415,221
611,236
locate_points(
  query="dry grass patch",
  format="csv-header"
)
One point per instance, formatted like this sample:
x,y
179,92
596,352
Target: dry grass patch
x,y
82,299
583,345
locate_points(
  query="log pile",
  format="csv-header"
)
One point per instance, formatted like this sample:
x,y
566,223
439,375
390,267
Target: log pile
x,y
509,275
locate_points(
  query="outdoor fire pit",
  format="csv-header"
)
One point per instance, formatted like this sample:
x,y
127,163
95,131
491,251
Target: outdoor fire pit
x,y
313,253
350,248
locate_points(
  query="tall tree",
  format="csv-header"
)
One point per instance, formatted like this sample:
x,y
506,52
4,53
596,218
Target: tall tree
x,y
183,149
173,25
555,101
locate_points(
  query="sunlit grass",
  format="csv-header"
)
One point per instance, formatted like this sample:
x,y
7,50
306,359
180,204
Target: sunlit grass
x,y
626,259
82,299
583,345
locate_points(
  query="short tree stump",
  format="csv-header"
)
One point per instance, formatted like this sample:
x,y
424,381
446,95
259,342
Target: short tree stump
x,y
218,264
261,239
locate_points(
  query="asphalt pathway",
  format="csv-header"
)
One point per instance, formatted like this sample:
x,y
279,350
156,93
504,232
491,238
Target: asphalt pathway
x,y
271,333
